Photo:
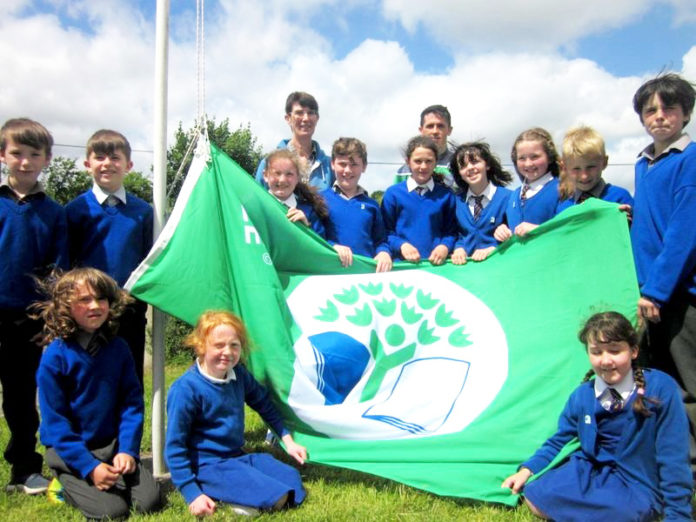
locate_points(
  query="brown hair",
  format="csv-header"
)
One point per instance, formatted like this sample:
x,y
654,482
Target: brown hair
x,y
467,152
304,99
26,132
544,137
302,190
672,89
106,141
427,143
613,327
349,147
60,289
210,320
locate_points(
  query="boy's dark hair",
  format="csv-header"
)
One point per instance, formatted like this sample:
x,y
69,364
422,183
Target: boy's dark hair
x,y
60,290
26,132
349,147
478,149
613,327
305,100
673,90
440,110
427,143
544,137
106,141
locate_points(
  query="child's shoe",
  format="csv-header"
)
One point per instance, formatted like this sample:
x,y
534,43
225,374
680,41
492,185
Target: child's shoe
x,y
33,484
244,510
55,492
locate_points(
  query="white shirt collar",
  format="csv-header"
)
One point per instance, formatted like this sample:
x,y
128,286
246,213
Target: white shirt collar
x,y
625,386
291,202
102,194
229,377
487,193
411,184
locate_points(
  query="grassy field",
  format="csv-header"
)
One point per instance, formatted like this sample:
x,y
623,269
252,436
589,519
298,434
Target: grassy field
x,y
333,494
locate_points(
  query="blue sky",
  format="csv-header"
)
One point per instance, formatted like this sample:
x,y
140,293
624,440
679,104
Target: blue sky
x,y
373,65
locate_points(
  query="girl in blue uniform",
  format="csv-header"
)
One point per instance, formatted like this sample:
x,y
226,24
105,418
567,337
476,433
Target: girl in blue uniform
x,y
205,427
304,204
633,461
420,213
536,160
482,201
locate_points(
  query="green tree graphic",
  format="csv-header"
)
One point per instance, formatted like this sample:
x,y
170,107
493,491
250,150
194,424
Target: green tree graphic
x,y
413,322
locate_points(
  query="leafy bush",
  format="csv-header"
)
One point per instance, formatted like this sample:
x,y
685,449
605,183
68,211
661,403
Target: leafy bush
x,y
174,333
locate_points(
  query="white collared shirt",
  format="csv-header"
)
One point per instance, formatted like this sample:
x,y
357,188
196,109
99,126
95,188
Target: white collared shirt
x,y
291,202
538,184
102,195
625,386
231,376
487,194
411,184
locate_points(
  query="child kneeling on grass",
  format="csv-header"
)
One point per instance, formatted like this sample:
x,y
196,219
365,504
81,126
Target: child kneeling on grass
x,y
205,428
91,400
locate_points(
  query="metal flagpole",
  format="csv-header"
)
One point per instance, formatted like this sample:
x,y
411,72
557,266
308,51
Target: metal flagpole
x,y
159,187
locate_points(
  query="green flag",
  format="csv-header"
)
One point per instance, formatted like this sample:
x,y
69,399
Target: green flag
x,y
444,378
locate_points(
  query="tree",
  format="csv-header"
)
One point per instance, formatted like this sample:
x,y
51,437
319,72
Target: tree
x,y
64,181
240,145
377,195
135,183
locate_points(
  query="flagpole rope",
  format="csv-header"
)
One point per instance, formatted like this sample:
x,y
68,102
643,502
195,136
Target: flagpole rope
x,y
201,123
200,66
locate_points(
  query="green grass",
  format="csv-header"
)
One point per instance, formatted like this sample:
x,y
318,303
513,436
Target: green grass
x,y
333,493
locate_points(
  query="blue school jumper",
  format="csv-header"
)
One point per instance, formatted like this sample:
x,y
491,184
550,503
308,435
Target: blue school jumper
x,y
423,221
33,239
664,225
205,435
114,239
479,234
321,175
88,400
629,467
610,193
539,208
356,223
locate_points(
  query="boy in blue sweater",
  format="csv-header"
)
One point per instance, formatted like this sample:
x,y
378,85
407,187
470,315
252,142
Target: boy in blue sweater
x,y
584,160
111,229
355,221
33,235
663,233
91,401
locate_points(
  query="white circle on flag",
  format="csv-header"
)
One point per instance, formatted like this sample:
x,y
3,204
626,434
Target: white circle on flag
x,y
396,355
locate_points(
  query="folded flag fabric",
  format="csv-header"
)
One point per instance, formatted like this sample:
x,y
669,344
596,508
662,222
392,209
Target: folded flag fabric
x,y
444,378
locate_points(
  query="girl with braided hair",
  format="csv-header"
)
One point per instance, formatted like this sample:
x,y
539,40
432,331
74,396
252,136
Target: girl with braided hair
x,y
633,460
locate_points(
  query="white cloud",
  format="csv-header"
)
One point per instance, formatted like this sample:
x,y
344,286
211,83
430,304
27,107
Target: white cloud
x,y
76,82
510,24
